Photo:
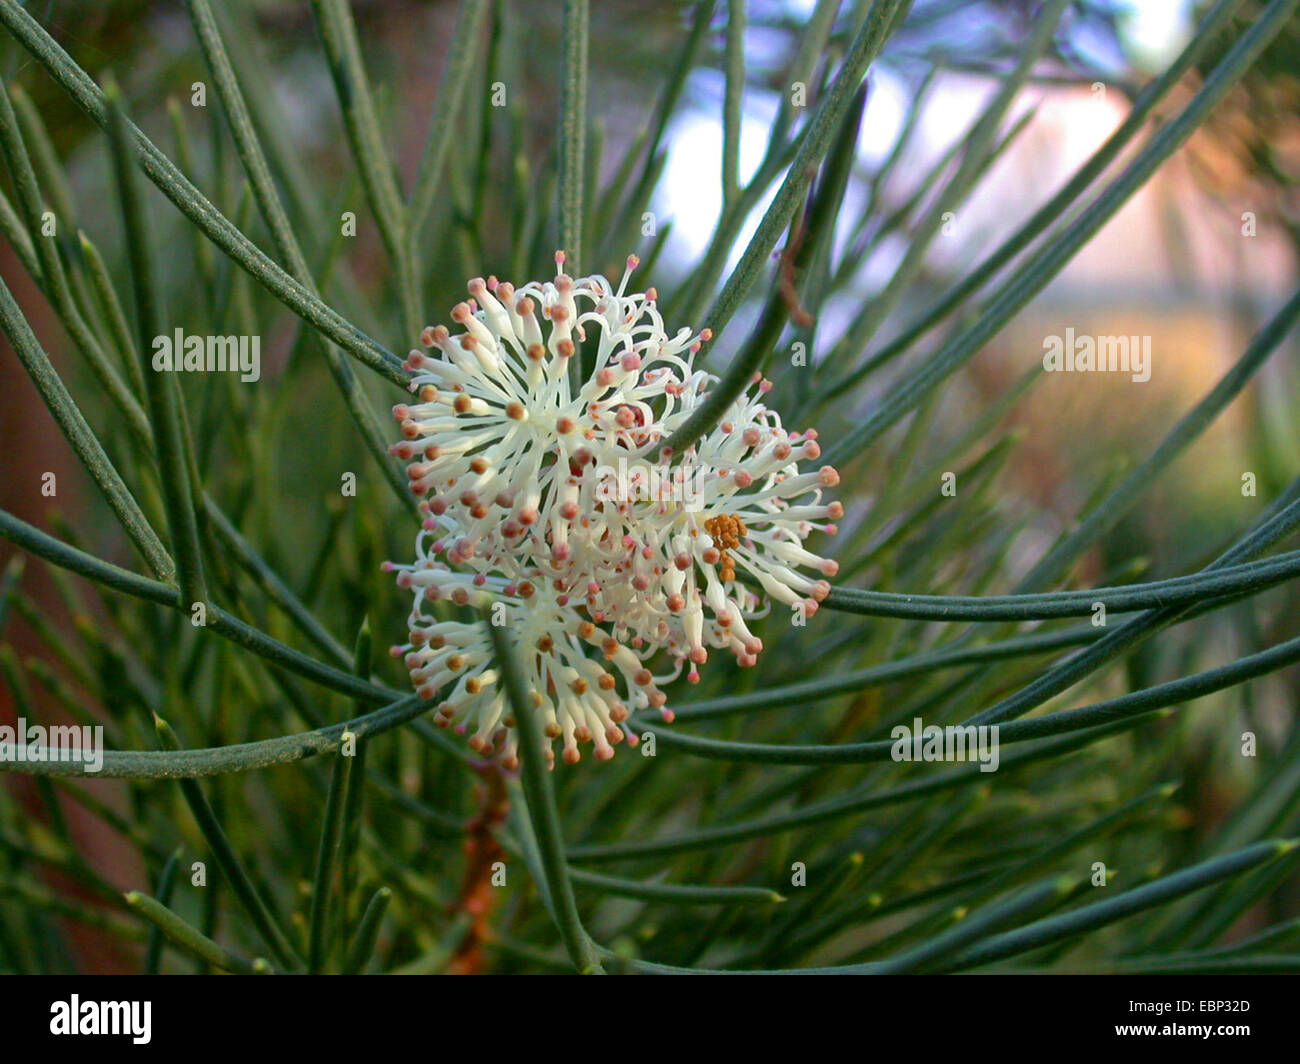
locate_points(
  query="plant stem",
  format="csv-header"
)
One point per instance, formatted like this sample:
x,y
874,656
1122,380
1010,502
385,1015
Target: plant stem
x,y
540,807
161,388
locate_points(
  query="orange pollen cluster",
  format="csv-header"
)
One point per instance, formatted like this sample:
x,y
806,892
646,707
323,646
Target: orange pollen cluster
x,y
726,531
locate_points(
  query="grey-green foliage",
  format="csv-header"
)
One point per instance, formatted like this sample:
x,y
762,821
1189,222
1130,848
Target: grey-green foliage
x,y
338,829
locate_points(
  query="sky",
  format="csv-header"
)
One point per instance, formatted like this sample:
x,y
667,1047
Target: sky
x,y
691,193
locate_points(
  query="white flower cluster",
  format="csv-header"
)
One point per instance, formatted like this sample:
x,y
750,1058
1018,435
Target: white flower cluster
x,y
522,509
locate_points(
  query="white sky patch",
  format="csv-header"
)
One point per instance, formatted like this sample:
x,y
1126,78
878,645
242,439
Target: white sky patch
x,y
690,194
1155,31
691,191
887,102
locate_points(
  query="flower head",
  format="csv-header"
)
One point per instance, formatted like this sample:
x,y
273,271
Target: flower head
x,y
558,506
